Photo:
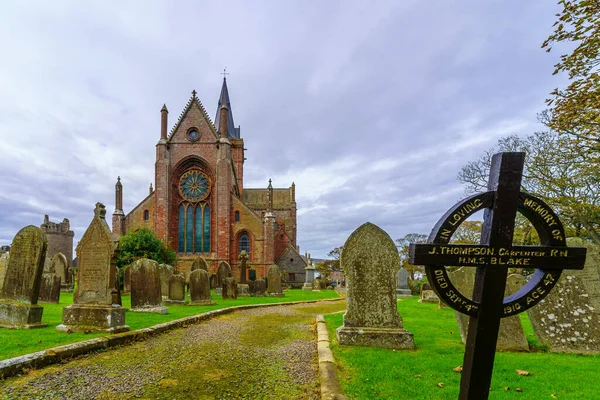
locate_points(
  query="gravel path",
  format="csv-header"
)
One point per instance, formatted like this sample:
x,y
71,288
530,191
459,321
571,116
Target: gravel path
x,y
263,353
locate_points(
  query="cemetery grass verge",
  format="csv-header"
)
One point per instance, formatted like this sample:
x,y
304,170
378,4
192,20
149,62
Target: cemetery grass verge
x,y
372,373
18,342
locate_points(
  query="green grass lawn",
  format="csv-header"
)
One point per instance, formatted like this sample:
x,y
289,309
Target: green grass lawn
x,y
371,373
16,342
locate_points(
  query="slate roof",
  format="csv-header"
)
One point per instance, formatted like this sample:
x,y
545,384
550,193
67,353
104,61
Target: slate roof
x,y
232,131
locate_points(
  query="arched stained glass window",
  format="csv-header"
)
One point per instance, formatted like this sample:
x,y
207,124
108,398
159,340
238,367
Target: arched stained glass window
x,y
244,243
194,213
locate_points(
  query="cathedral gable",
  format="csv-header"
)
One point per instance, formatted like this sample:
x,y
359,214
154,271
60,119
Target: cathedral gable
x,y
194,124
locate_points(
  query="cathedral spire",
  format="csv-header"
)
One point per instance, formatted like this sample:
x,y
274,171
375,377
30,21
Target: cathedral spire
x,y
232,131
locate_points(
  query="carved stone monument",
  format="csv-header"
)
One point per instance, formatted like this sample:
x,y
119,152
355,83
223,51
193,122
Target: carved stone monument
x,y
274,281
402,289
60,266
176,289
199,288
21,286
370,262
243,257
50,284
224,271
230,288
309,276
146,291
96,300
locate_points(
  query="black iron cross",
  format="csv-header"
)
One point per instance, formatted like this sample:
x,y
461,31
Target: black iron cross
x,y
492,258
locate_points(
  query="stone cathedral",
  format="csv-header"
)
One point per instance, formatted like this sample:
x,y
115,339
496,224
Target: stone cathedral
x,y
199,205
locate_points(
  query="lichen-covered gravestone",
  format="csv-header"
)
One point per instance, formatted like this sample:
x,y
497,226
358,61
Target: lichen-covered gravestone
x,y
3,264
224,271
316,284
370,262
510,336
200,288
177,289
20,290
230,288
260,287
243,257
402,289
166,272
428,295
49,284
274,281
146,291
96,300
568,319
61,269
199,263
213,281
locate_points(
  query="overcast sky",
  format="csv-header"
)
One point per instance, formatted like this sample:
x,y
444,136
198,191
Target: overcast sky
x,y
371,107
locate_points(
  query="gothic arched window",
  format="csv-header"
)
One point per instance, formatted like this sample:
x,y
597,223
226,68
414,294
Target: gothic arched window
x,y
194,213
244,243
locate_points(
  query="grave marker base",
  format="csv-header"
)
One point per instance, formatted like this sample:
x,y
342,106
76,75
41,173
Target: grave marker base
x,y
389,338
16,315
202,303
403,293
93,318
175,301
307,286
151,309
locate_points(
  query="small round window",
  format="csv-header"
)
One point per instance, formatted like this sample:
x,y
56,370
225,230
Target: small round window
x,y
193,135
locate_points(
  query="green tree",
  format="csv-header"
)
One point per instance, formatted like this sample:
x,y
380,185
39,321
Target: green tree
x,y
568,180
403,246
576,109
469,232
326,267
143,243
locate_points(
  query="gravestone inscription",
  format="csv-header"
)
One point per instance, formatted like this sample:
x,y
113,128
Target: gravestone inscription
x,y
177,289
492,258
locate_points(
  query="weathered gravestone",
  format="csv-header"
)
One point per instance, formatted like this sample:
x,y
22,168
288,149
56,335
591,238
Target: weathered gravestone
x,y
49,284
511,336
214,281
402,289
21,286
492,258
243,290
60,266
224,271
274,281
243,257
260,287
309,276
568,319
146,290
166,272
316,284
127,279
428,296
3,264
200,288
96,300
230,288
370,261
177,289
199,263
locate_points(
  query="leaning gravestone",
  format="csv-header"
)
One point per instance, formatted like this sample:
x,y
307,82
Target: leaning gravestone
x,y
199,263
402,289
166,272
568,319
511,336
146,292
370,262
49,284
3,264
176,289
274,281
21,287
96,300
230,288
260,287
224,271
200,288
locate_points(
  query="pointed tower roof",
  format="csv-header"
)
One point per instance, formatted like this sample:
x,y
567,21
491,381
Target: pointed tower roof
x,y
232,131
